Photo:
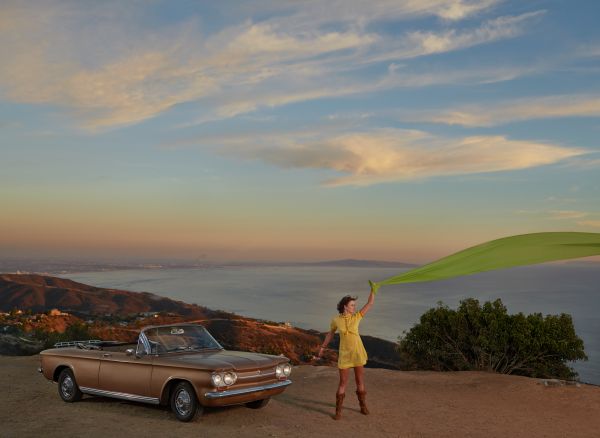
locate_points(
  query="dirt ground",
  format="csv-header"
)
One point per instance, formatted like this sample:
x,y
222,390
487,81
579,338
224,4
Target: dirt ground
x,y
402,404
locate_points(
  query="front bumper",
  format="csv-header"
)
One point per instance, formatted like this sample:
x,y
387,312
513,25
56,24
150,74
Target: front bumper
x,y
234,392
244,395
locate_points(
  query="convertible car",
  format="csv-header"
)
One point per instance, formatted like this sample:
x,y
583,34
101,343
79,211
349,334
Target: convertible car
x,y
179,365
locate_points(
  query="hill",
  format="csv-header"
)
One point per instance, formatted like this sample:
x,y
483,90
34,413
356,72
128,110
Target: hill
x,y
40,293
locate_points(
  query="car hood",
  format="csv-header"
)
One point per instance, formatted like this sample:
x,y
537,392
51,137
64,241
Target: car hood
x,y
217,360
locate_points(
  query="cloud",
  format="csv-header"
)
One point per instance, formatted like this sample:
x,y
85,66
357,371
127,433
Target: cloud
x,y
420,43
513,111
310,13
100,63
590,223
236,101
365,158
567,214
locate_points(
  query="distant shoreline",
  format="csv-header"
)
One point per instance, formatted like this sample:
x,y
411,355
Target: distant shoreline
x,y
62,268
14,266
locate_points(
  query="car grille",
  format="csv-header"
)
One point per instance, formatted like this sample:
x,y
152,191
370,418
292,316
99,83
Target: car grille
x,y
261,375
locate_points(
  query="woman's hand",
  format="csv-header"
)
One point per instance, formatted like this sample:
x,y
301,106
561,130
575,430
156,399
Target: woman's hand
x,y
374,287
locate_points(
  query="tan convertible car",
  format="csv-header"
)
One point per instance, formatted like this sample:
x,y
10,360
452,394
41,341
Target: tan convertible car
x,y
181,365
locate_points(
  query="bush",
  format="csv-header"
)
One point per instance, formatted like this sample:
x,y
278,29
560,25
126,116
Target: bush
x,y
487,338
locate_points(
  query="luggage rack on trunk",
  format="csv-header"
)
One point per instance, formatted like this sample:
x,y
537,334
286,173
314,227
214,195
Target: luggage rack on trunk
x,y
90,344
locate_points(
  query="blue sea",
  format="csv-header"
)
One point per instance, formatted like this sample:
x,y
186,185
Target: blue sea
x,y
307,296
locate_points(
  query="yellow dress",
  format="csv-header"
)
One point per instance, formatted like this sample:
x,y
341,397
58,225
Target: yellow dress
x,y
352,351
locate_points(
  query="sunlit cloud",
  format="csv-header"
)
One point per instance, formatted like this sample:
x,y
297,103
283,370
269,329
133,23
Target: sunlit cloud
x,y
385,155
513,111
236,70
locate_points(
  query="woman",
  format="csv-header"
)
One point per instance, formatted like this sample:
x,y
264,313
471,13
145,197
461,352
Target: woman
x,y
352,353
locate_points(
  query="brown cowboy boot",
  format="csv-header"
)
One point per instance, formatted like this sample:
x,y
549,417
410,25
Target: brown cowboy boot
x,y
339,400
362,401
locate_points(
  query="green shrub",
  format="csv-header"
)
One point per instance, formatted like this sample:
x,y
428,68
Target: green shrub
x,y
475,337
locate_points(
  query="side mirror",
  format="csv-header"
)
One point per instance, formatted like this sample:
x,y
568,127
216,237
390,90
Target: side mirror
x,y
129,352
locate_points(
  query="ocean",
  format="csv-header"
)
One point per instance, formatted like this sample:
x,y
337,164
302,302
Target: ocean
x,y
307,296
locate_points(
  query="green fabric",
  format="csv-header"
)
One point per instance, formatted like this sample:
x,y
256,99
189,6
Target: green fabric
x,y
524,249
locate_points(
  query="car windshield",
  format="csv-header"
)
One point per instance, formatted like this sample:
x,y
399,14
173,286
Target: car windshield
x,y
167,339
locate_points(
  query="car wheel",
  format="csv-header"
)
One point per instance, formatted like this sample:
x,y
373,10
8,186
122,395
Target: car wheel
x,y
67,386
184,403
257,404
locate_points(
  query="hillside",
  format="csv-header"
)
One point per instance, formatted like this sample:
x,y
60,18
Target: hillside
x,y
38,293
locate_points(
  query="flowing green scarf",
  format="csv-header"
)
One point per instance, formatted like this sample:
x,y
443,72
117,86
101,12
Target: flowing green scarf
x,y
524,249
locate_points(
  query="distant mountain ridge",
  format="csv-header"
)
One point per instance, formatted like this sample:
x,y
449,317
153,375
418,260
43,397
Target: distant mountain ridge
x,y
363,263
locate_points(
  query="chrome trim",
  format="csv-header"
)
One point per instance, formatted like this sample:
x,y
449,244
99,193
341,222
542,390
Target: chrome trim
x,y
258,374
144,340
40,370
120,395
232,392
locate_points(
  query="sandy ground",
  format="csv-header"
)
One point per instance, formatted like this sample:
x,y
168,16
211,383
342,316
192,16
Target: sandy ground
x,y
402,404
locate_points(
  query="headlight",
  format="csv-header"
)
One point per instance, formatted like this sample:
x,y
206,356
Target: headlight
x,y
217,379
224,379
283,370
287,369
229,378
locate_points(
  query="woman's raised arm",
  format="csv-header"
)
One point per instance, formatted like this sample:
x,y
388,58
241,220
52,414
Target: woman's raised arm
x,y
370,302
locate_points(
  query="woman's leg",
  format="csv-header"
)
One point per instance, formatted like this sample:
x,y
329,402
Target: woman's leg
x,y
360,389
343,380
359,377
341,392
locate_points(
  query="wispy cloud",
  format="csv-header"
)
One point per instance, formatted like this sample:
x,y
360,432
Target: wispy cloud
x,y
559,199
513,111
595,224
240,100
420,43
280,60
309,13
384,155
567,214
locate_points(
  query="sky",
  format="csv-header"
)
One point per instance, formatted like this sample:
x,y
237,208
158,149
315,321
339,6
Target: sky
x,y
295,130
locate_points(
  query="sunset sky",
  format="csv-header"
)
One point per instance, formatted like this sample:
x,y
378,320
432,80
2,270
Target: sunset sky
x,y
295,130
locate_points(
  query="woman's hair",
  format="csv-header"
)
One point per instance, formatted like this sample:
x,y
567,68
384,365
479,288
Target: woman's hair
x,y
344,301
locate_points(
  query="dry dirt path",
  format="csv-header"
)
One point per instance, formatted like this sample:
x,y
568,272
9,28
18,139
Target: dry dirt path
x,y
403,404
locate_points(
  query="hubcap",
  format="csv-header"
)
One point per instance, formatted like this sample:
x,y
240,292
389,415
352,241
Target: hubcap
x,y
67,387
183,402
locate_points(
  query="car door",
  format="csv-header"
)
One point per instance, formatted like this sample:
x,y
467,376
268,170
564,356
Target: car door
x,y
126,374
